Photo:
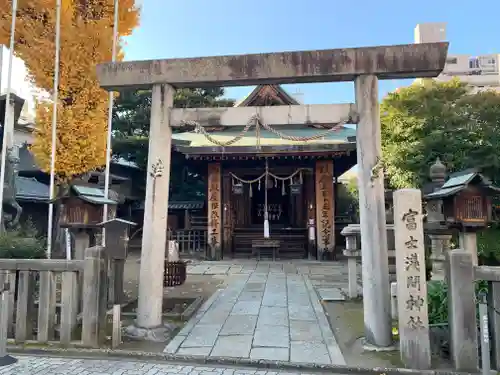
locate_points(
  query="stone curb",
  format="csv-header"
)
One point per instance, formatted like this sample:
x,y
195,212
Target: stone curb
x,y
108,354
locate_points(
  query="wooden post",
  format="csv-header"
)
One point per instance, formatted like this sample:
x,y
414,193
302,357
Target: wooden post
x,y
352,263
68,306
468,242
82,243
374,255
154,235
46,307
214,227
23,301
118,280
187,221
227,215
414,342
94,285
494,318
325,233
116,338
311,215
5,359
462,310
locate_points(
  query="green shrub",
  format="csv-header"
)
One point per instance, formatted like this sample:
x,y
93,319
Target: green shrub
x,y
488,245
22,243
437,299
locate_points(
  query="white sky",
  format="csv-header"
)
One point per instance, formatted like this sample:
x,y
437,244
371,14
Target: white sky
x,y
20,84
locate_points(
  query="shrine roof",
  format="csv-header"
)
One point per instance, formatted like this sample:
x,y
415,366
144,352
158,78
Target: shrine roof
x,y
92,195
30,189
262,93
343,135
459,181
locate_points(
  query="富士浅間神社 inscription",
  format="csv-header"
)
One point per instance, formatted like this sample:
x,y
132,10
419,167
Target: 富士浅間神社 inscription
x,y
214,208
411,281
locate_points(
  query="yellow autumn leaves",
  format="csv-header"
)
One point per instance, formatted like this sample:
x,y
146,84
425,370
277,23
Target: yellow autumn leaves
x,y
86,40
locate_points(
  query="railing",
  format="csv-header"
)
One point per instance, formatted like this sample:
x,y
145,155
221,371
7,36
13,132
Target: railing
x,y
49,299
462,276
352,252
190,240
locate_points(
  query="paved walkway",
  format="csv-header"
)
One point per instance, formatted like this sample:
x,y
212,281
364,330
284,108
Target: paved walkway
x,y
64,366
269,310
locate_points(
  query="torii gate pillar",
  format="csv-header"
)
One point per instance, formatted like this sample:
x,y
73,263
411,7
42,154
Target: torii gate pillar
x,y
374,254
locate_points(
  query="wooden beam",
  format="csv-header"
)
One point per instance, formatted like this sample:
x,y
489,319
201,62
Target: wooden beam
x,y
332,65
321,115
331,148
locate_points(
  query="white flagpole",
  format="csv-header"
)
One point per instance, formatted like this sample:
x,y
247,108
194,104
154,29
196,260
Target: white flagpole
x,y
110,123
55,96
7,133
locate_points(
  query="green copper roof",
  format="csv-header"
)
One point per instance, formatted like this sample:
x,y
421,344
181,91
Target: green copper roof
x,y
267,138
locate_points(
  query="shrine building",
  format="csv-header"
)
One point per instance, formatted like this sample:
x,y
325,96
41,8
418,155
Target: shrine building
x,y
288,173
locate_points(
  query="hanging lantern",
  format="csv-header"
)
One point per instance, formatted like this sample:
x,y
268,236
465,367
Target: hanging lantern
x,y
295,188
270,183
237,188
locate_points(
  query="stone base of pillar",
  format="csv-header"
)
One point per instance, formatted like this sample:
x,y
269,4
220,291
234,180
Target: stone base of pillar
x,y
367,347
440,245
158,334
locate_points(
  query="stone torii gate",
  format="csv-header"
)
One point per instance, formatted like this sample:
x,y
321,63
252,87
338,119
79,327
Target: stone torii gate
x,y
365,66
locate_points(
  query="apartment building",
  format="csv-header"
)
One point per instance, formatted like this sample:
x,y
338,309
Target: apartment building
x,y
480,72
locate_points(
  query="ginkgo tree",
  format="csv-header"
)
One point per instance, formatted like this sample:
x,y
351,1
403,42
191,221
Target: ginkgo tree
x,y
86,39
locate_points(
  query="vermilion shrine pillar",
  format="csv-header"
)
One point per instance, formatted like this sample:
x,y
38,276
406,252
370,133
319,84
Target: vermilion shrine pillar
x,y
375,265
154,235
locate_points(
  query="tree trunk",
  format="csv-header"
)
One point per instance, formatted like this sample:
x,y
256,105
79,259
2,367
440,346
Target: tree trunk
x,y
58,240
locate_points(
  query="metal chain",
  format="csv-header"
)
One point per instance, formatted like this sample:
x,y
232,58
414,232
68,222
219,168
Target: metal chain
x,y
257,122
302,139
200,129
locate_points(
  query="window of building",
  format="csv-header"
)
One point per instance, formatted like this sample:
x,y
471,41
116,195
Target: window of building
x,y
451,60
474,63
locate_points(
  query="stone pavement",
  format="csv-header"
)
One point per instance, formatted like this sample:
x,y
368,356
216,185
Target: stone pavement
x,y
330,279
269,310
68,366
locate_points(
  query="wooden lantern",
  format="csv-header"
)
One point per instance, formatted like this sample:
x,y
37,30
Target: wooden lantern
x,y
465,200
295,189
238,188
84,207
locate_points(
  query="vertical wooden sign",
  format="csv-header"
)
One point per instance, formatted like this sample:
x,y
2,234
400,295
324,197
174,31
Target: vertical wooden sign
x,y
325,205
214,209
411,282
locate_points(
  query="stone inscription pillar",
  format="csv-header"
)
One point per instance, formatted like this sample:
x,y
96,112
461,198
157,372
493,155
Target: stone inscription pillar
x,y
214,210
375,268
414,343
154,233
325,233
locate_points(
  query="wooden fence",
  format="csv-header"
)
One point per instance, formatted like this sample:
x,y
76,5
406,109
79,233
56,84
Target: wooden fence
x,y
190,240
61,301
462,276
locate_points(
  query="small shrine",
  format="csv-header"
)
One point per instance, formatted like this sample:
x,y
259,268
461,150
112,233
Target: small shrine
x,y
463,203
84,207
465,200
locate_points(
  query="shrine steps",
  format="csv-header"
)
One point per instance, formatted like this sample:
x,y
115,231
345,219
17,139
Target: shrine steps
x,y
293,242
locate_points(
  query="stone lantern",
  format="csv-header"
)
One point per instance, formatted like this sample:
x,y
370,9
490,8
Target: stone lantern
x,y
435,226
